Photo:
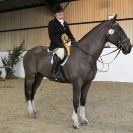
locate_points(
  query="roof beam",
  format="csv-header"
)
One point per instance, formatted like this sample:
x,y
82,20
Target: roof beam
x,y
12,5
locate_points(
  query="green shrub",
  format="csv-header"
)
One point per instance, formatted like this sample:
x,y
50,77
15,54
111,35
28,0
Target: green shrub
x,y
12,59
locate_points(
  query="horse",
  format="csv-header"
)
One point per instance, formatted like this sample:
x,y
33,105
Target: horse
x,y
80,68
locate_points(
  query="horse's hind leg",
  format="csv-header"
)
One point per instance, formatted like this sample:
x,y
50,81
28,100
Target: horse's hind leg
x,y
38,79
29,80
84,91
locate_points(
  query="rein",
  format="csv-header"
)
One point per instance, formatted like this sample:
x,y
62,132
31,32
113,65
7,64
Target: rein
x,y
101,61
86,53
110,52
101,55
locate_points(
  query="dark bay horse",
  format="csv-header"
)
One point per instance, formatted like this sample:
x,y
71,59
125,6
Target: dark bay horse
x,y
80,68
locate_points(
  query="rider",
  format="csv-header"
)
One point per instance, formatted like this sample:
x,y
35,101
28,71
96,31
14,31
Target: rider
x,y
56,28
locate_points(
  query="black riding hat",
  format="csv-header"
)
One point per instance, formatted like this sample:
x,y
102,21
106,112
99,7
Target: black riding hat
x,y
57,9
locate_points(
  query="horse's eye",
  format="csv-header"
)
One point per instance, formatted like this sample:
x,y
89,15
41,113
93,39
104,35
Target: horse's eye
x,y
111,31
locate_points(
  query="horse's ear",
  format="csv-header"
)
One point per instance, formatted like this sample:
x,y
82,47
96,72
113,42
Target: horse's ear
x,y
114,19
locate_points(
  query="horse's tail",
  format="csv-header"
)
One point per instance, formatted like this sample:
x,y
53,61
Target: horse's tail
x,y
25,90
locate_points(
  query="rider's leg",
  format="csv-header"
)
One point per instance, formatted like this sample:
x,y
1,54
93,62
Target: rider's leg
x,y
60,55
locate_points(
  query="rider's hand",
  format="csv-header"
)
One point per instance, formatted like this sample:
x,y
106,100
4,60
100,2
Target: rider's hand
x,y
73,43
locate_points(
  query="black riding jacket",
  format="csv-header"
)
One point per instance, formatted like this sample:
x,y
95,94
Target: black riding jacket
x,y
55,30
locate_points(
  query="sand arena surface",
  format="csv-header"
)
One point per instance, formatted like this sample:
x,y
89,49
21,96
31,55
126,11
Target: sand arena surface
x,y
109,108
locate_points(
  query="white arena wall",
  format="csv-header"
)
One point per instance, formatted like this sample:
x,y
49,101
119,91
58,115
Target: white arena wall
x,y
120,70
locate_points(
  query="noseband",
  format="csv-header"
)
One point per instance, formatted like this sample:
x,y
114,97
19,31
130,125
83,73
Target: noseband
x,y
125,41
119,41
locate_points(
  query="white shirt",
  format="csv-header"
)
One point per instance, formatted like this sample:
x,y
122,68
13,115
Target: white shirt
x,y
61,21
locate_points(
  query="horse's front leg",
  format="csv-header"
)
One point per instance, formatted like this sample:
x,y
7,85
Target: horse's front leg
x,y
83,119
76,97
84,91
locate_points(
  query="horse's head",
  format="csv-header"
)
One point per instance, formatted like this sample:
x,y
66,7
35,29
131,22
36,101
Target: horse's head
x,y
117,36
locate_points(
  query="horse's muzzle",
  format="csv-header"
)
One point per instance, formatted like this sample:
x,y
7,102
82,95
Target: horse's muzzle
x,y
126,48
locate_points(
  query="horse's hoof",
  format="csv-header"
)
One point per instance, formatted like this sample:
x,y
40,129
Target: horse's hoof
x,y
34,115
76,126
84,123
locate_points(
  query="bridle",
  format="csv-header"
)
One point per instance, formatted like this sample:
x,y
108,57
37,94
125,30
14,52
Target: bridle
x,y
118,38
119,48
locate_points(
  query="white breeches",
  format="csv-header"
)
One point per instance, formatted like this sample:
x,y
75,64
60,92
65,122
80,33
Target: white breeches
x,y
60,52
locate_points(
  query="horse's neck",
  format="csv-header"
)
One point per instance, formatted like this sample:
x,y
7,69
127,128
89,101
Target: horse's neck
x,y
94,41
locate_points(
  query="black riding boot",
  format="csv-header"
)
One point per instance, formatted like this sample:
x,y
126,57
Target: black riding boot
x,y
55,67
